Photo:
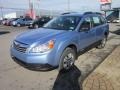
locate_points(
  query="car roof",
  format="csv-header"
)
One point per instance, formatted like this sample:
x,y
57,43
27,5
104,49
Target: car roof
x,y
82,14
72,14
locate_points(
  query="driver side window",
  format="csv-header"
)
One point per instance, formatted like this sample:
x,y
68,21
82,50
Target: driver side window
x,y
86,24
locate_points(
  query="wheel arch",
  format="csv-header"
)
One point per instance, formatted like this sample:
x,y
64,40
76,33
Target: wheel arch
x,y
73,46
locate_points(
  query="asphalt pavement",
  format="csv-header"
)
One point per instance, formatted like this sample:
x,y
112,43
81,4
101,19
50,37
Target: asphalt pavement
x,y
15,77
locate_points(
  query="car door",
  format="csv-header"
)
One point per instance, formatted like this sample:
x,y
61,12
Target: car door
x,y
23,21
86,34
28,21
98,26
41,21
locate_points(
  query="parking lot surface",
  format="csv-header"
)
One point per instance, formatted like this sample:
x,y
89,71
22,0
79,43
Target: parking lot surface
x,y
15,77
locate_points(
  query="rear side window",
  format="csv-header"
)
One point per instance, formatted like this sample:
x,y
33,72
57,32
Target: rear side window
x,y
96,21
103,21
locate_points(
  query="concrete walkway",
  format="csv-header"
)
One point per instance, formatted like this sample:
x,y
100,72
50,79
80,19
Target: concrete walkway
x,y
107,75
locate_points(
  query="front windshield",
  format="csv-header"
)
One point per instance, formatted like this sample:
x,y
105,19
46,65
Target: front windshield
x,y
63,23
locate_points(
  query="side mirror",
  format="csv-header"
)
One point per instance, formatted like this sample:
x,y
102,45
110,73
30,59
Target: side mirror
x,y
85,28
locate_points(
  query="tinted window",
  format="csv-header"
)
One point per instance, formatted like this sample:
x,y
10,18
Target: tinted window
x,y
19,20
23,19
27,19
96,21
47,19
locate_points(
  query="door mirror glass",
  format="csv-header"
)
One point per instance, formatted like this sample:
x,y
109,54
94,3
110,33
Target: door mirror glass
x,y
85,27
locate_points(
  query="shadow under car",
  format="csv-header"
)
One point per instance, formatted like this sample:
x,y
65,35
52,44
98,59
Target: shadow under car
x,y
68,80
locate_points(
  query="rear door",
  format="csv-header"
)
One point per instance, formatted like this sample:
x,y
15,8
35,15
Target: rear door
x,y
98,26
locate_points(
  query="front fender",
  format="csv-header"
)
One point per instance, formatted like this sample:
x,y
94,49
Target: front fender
x,y
61,47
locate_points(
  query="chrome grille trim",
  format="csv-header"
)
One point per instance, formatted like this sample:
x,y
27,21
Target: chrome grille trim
x,y
20,46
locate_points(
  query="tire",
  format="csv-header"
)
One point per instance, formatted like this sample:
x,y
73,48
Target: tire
x,y
67,59
36,26
102,43
18,25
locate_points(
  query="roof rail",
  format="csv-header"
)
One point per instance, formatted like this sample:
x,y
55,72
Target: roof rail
x,y
98,13
68,13
88,13
92,13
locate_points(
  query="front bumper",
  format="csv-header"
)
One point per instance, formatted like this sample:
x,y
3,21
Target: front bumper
x,y
34,61
36,67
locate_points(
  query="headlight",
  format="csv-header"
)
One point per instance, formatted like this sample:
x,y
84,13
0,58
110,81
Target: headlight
x,y
43,47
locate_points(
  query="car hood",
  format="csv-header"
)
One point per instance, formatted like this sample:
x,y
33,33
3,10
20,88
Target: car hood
x,y
39,35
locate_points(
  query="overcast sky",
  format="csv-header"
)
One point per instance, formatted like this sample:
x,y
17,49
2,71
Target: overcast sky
x,y
75,5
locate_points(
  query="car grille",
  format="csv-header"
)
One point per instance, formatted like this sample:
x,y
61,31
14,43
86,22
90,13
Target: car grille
x,y
20,46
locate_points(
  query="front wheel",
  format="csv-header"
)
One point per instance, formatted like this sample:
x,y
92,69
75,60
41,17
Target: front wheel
x,y
102,43
67,59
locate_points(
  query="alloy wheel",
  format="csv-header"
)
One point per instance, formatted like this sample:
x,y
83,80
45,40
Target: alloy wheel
x,y
68,61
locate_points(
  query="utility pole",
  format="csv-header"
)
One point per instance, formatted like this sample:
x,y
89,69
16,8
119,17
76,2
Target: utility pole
x,y
30,8
68,4
29,1
38,7
1,9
